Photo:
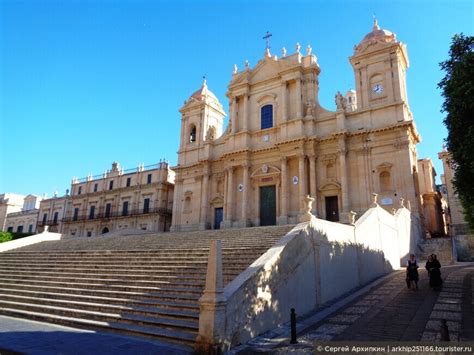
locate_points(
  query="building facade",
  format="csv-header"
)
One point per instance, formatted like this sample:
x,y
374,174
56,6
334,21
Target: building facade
x,y
140,198
281,144
51,213
458,224
9,203
24,220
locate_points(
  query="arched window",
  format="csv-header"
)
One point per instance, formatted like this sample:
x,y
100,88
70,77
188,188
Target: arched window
x,y
266,116
192,134
385,183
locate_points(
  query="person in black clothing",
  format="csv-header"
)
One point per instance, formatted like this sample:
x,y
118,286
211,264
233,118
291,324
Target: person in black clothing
x,y
434,271
412,272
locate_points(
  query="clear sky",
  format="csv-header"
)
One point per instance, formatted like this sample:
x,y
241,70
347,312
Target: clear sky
x,y
84,83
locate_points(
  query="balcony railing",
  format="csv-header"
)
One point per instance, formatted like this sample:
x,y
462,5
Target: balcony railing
x,y
118,214
47,223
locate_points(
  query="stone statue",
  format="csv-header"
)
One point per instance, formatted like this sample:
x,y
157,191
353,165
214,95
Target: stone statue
x,y
210,134
374,199
309,108
309,50
352,217
297,47
402,202
235,71
340,101
247,64
283,52
308,206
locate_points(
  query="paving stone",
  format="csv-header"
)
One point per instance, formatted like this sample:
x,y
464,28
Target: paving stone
x,y
447,307
312,336
429,336
356,310
365,302
435,325
450,295
331,328
344,318
457,316
449,300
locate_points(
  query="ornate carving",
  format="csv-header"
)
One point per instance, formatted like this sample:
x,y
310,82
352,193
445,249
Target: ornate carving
x,y
374,199
283,52
341,101
308,206
402,202
352,217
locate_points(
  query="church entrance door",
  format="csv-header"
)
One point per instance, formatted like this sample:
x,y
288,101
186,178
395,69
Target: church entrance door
x,y
267,205
332,209
218,216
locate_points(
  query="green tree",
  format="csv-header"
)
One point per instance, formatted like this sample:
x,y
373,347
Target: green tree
x,y
458,92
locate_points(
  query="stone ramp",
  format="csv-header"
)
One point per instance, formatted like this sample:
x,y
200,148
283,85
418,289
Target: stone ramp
x,y
145,285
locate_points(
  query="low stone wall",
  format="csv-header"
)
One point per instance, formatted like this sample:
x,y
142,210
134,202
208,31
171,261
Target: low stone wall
x,y
464,247
33,239
314,263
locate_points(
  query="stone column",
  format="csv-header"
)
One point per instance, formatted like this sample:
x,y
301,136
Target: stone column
x,y
245,117
302,180
284,100
234,115
298,99
283,218
312,181
245,197
344,181
204,201
230,197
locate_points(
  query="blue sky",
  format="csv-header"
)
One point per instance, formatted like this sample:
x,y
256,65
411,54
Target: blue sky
x,y
84,83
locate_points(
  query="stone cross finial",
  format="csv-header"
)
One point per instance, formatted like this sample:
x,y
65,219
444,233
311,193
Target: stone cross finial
x,y
402,202
247,64
308,206
283,52
297,47
235,69
309,50
374,199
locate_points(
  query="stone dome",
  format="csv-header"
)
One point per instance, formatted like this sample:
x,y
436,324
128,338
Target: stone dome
x,y
377,35
203,93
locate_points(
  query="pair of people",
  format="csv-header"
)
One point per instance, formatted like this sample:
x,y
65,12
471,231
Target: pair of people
x,y
432,266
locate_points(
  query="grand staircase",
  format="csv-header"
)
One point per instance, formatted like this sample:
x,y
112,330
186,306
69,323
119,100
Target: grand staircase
x,y
145,285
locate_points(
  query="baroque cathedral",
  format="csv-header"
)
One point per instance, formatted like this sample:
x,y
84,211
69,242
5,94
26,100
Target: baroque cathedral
x,y
281,145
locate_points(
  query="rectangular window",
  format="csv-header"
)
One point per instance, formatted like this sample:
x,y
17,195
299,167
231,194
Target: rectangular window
x,y
129,181
146,205
45,217
10,229
266,113
125,209
108,209
111,185
148,179
20,229
30,228
55,218
96,186
76,214
92,212
79,190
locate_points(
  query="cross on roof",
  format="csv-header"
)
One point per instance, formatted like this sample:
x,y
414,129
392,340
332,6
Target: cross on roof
x,y
267,39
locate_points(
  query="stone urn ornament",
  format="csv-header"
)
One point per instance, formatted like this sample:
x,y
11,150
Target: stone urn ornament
x,y
308,206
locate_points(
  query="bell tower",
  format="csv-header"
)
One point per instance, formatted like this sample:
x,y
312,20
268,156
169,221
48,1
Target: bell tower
x,y
202,120
380,62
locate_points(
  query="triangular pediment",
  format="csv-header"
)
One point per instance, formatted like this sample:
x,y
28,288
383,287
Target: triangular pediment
x,y
267,68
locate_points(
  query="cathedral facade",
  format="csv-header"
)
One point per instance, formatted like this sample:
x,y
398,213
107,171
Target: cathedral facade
x,y
280,145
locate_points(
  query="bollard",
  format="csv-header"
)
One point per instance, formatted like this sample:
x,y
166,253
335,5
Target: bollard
x,y
444,331
293,327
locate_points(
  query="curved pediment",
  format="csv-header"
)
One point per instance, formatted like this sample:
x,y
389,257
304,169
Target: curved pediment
x,y
217,200
265,170
332,185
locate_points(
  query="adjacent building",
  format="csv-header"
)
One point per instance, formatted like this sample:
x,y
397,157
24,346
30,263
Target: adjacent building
x,y
458,225
9,203
140,198
281,144
23,220
51,213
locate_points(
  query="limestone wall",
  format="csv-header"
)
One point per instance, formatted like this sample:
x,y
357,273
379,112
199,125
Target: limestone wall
x,y
33,239
313,264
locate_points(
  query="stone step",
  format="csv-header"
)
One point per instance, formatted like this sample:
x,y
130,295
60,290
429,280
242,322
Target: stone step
x,y
170,263
127,300
158,295
175,336
106,307
107,281
105,316
193,290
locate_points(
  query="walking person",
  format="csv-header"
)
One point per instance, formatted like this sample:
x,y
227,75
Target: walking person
x,y
412,272
433,267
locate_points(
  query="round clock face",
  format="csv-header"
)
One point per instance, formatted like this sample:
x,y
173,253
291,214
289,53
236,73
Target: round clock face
x,y
378,89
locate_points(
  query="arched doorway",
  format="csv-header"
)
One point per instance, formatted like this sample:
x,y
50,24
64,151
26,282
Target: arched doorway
x,y
105,230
